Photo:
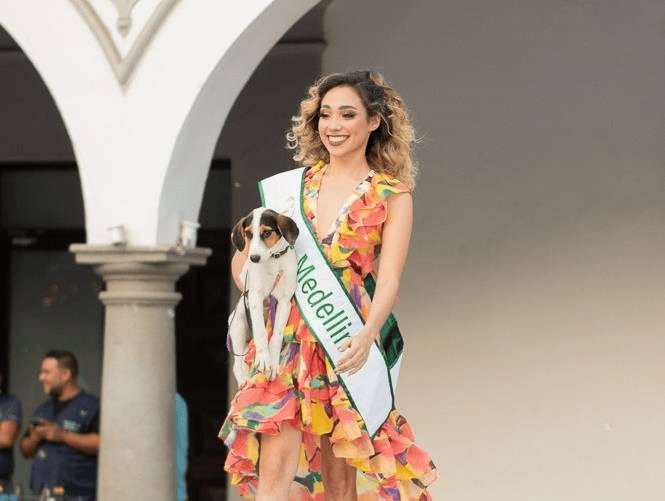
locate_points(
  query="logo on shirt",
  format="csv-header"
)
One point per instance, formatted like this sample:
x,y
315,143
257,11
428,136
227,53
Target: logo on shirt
x,y
70,425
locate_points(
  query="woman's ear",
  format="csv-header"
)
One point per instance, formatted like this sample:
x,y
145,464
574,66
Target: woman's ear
x,y
374,122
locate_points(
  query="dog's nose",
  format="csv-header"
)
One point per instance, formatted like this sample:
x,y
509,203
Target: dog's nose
x,y
255,258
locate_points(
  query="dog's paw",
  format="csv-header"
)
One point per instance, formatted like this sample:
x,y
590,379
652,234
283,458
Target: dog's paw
x,y
263,362
275,353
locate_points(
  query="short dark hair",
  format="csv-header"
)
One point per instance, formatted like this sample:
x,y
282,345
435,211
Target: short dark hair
x,y
66,360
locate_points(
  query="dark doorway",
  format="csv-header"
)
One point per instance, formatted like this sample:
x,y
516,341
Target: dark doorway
x,y
48,301
202,358
41,214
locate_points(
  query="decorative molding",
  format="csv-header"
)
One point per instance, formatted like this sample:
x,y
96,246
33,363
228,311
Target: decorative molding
x,y
123,66
124,22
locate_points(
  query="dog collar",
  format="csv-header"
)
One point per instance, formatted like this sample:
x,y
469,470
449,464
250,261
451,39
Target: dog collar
x,y
279,254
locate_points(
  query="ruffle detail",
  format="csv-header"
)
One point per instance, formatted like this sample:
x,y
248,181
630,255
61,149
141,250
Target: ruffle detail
x,y
390,466
359,234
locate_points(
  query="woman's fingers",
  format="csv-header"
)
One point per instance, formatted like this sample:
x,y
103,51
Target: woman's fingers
x,y
345,345
353,360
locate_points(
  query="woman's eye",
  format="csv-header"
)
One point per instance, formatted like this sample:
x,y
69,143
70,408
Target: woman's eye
x,y
349,115
323,115
266,234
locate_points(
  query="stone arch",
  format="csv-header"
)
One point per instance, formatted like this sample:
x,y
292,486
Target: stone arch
x,y
196,140
143,147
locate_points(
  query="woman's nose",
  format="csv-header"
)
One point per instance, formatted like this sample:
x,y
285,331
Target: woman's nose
x,y
334,123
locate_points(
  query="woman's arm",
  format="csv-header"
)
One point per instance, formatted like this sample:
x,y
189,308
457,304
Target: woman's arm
x,y
394,249
237,262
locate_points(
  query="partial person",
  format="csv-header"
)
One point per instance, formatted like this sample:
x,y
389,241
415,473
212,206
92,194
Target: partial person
x,y
328,420
181,446
10,427
63,437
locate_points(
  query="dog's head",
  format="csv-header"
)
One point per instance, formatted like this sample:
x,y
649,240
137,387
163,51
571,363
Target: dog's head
x,y
262,229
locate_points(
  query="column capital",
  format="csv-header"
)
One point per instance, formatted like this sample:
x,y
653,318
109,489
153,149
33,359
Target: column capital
x,y
103,254
139,275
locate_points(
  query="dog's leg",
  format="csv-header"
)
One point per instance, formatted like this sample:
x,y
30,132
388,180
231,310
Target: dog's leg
x,y
239,333
281,316
262,359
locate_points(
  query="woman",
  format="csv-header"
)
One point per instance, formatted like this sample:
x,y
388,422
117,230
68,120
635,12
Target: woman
x,y
355,138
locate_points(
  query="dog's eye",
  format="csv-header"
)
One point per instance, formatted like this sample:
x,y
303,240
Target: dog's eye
x,y
248,234
266,234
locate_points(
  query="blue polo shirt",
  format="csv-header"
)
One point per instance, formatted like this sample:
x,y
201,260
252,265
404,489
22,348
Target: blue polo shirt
x,y
58,464
10,410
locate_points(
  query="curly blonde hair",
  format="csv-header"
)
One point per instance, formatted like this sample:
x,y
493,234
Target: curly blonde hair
x,y
390,146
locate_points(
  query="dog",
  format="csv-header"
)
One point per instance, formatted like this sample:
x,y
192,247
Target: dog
x,y
270,269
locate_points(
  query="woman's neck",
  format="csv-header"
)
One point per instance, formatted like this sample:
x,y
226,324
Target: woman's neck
x,y
348,167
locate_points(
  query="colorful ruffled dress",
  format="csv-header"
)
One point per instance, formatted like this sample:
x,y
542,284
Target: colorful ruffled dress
x,y
307,394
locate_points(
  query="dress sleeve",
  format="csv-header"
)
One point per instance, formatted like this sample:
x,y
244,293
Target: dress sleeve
x,y
386,185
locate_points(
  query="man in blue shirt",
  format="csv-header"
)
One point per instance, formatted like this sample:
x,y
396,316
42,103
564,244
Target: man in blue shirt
x,y
63,437
10,425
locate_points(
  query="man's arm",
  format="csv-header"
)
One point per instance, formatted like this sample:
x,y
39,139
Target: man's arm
x,y
87,443
29,443
11,416
9,431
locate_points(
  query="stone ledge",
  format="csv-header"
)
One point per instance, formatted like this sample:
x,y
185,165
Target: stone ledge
x,y
101,254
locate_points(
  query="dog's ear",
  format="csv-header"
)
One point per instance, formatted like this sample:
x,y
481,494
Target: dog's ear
x,y
238,233
288,228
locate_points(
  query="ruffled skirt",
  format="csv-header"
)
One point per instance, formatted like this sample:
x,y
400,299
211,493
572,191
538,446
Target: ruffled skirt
x,y
307,395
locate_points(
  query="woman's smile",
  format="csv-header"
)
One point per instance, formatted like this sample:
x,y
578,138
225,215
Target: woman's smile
x,y
336,140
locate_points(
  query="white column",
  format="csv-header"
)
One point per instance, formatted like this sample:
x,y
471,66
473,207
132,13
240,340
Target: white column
x,y
137,454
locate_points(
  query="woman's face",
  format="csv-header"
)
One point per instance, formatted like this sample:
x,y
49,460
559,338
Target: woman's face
x,y
344,126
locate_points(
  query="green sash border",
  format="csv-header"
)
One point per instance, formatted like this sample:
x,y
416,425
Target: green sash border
x,y
391,343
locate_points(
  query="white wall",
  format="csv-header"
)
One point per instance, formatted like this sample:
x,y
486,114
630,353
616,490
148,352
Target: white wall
x,y
532,302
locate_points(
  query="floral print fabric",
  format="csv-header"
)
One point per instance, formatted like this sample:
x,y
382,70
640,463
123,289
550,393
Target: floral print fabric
x,y
307,394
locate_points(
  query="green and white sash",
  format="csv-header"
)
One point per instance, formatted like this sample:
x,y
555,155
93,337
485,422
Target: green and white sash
x,y
329,312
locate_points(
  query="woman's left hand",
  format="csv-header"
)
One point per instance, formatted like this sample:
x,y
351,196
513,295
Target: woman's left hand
x,y
357,351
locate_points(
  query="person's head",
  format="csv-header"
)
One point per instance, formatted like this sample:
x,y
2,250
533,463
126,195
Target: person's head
x,y
58,371
373,107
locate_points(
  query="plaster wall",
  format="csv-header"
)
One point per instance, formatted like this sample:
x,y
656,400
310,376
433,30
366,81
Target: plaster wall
x,y
532,303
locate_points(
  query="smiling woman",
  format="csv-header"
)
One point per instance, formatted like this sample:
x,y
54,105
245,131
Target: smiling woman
x,y
327,423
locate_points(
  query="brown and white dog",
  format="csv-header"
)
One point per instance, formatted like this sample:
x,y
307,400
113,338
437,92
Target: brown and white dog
x,y
270,269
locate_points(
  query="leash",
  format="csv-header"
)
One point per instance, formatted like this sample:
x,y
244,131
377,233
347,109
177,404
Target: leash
x,y
245,302
229,344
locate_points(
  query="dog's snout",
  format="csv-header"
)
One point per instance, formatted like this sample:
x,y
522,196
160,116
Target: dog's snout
x,y
255,258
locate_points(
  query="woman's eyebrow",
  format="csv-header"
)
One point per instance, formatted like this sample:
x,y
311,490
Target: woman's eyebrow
x,y
343,107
